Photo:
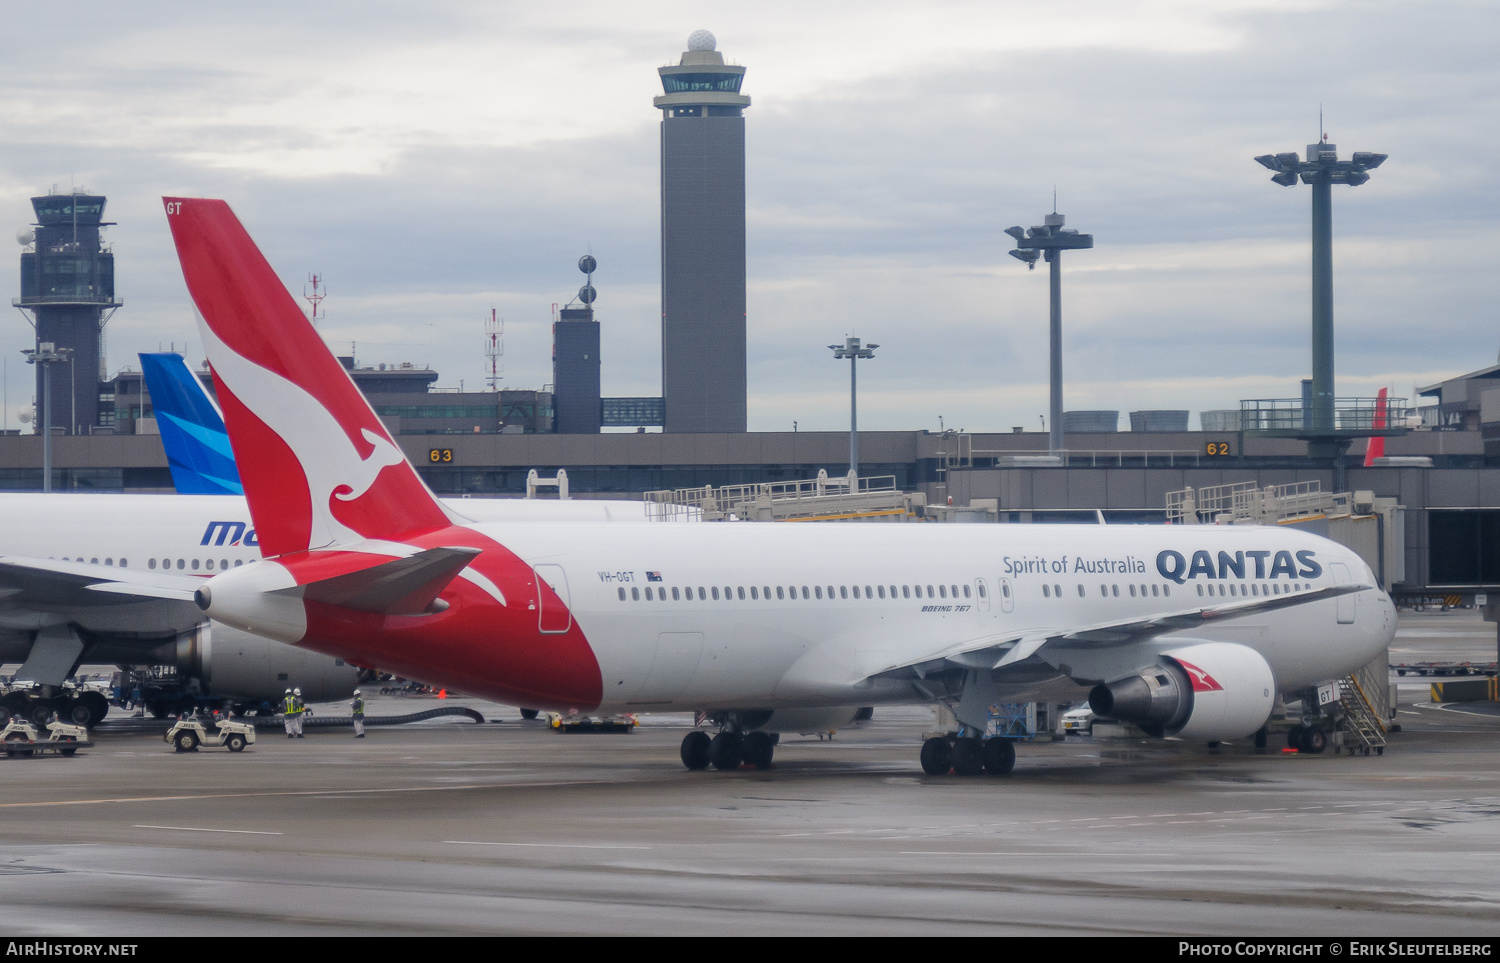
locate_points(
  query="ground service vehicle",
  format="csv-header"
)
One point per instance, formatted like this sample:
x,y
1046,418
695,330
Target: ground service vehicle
x,y
22,739
764,628
188,733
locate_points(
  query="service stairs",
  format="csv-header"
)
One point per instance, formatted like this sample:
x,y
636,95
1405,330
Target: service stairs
x,y
1362,726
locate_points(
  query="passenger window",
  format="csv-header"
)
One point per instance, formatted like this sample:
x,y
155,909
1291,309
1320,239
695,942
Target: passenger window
x,y
195,564
754,592
635,594
676,594
818,591
1046,592
1132,591
954,589
238,562
702,594
1057,590
715,593
966,591
223,563
1104,590
1200,590
151,563
880,590
648,593
869,594
1114,590
124,564
1221,591
830,591
805,595
95,561
906,591
843,592
622,593
109,561
1005,589
181,564
930,593
779,593
943,591
728,593
984,593
741,592
766,592
1080,591
1153,591
1166,590
209,564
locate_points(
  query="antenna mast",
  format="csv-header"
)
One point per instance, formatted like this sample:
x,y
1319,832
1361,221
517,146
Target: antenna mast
x,y
494,349
316,295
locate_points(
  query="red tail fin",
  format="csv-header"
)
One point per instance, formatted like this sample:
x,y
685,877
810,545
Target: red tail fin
x,y
318,466
1375,447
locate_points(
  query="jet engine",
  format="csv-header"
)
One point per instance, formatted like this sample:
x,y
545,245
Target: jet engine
x,y
1208,691
236,665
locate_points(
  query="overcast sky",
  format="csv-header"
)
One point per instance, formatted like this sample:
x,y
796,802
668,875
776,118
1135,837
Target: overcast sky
x,y
435,160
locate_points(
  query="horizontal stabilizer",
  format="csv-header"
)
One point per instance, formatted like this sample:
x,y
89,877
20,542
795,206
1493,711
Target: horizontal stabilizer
x,y
31,580
403,586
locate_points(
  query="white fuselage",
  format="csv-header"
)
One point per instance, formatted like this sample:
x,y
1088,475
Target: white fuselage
x,y
804,614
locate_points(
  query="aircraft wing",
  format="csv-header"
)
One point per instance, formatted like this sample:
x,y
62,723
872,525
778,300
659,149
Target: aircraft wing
x,y
997,652
44,584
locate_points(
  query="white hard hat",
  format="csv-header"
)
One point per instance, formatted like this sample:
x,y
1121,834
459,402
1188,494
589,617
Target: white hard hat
x,y
296,692
289,692
356,692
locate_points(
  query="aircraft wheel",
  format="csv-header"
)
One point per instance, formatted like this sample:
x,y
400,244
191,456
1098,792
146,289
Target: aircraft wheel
x,y
185,742
235,742
40,712
1315,741
968,757
759,749
695,750
937,757
1260,738
68,750
999,756
78,712
1294,737
726,751
529,713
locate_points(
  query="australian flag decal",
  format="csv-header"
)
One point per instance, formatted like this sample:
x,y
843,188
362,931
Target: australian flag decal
x,y
653,576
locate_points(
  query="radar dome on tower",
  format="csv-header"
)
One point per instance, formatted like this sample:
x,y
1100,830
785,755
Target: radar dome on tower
x,y
701,40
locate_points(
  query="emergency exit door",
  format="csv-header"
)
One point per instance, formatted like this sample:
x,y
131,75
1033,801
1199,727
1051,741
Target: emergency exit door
x,y
554,608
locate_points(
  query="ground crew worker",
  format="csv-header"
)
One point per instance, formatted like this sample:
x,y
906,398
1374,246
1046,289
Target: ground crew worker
x,y
301,710
358,708
289,714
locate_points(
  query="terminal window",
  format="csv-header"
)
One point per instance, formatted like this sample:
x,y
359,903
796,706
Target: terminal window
x,y
1463,547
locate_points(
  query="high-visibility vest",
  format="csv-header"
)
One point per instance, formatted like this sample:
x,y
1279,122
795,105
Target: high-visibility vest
x,y
291,706
359,708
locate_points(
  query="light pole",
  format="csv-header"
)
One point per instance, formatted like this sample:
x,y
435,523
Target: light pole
x,y
852,350
1049,241
47,354
1322,169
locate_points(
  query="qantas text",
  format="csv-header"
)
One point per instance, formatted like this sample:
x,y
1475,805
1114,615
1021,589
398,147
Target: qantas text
x,y
1259,565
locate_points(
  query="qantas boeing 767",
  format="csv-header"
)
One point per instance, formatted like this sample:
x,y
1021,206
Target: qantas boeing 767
x,y
1187,631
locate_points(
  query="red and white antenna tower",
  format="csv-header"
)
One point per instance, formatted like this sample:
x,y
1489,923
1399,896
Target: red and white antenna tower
x,y
494,349
316,295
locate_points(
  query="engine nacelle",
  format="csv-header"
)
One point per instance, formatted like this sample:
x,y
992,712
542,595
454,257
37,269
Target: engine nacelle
x,y
1208,691
237,665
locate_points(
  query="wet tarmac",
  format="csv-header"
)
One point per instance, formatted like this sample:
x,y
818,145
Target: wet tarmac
x,y
453,827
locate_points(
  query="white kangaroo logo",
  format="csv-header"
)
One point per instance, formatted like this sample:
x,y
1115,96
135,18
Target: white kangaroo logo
x,y
329,460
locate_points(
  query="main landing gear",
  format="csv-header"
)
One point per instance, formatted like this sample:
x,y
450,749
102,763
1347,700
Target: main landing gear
x,y
728,750
968,756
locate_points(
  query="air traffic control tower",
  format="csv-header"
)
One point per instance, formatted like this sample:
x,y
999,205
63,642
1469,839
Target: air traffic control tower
x,y
703,241
68,286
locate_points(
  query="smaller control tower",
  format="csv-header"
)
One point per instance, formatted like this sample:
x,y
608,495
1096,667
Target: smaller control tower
x,y
68,287
576,407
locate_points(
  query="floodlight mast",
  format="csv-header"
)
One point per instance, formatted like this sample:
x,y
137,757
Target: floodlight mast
x,y
1049,241
1322,169
852,350
47,354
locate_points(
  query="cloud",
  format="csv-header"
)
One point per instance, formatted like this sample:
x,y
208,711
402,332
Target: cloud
x,y
433,163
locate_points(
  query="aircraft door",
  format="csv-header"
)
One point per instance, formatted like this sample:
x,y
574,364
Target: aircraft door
x,y
554,609
1007,596
1345,602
